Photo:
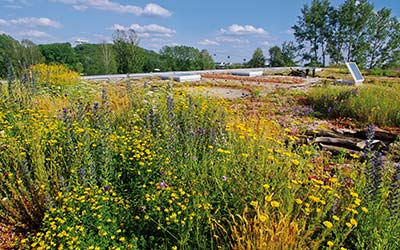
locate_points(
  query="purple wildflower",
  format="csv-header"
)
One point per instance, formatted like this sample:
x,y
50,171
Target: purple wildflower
x,y
224,178
107,188
163,184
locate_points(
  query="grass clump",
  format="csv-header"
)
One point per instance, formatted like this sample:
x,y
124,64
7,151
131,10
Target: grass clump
x,y
377,104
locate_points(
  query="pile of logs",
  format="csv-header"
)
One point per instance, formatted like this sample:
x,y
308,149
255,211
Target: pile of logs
x,y
351,141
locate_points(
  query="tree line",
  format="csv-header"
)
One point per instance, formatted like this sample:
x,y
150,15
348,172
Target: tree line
x,y
122,56
323,35
354,31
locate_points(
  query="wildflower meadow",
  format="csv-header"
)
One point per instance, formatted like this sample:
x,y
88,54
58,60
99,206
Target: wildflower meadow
x,y
147,164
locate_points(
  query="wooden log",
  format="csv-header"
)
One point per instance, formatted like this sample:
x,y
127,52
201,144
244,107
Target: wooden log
x,y
339,150
323,133
349,143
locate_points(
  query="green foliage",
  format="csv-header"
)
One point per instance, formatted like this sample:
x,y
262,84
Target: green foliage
x,y
127,55
368,104
379,224
16,57
182,58
59,53
258,59
276,57
289,53
351,32
382,72
312,30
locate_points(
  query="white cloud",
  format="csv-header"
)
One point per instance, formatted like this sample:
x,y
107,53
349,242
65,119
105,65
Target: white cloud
x,y
207,42
151,30
227,39
266,43
31,22
80,7
33,34
150,9
16,1
118,27
236,29
15,4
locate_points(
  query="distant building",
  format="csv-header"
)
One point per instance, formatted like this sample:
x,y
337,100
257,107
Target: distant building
x,y
80,41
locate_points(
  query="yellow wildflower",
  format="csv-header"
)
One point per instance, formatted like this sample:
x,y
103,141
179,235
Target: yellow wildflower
x,y
254,203
266,186
299,201
295,162
274,204
354,194
328,224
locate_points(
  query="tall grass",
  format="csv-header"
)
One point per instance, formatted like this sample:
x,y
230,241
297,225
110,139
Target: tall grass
x,y
377,104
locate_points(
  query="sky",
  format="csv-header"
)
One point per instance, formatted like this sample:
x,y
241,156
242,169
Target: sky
x,y
229,30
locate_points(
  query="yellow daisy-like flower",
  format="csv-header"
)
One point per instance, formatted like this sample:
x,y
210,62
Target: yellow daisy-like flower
x,y
364,209
295,162
266,186
263,218
254,203
354,194
353,222
335,218
268,198
349,225
274,204
174,248
328,224
299,201
330,243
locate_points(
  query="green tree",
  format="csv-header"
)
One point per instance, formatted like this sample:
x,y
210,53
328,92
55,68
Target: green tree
x,y
276,57
383,38
9,59
352,34
206,60
127,54
289,53
335,39
60,53
312,31
258,59
183,58
30,53
95,58
108,64
86,55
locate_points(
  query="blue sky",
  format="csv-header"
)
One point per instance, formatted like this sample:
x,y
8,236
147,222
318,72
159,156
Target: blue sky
x,y
224,28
